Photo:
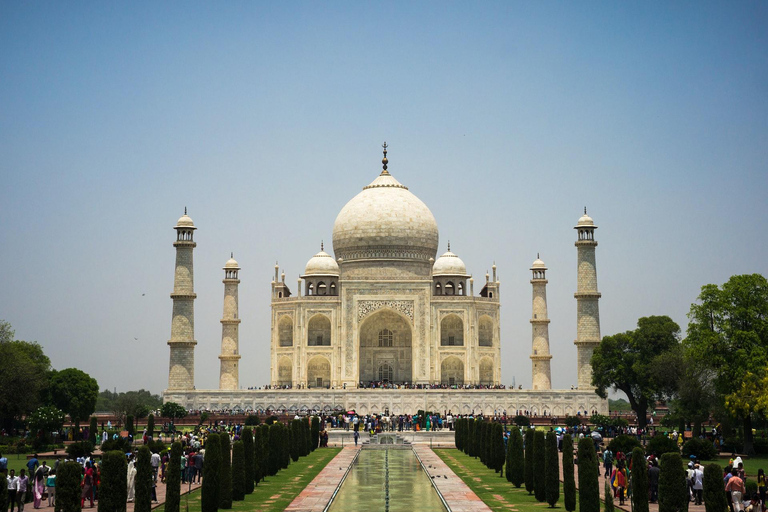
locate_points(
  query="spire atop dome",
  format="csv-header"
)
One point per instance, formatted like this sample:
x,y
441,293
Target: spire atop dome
x,y
384,160
449,246
321,246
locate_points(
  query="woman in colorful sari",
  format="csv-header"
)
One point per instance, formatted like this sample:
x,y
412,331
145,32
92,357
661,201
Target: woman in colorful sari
x,y
38,486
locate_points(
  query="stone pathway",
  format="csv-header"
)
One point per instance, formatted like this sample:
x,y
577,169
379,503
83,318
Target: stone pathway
x,y
457,494
318,493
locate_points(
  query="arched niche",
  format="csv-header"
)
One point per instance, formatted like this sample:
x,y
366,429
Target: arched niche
x,y
318,372
486,371
385,325
485,331
451,331
452,371
285,331
284,371
319,331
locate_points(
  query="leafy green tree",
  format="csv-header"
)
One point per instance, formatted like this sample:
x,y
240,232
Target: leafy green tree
x,y
151,426
714,497
551,469
315,432
136,403
515,458
113,491
498,448
143,501
248,461
93,430
589,485
129,424
659,445
238,471
539,474
68,478
529,458
45,420
608,497
173,480
225,472
211,485
673,489
639,477
25,371
75,393
569,481
173,411
728,333
7,334
628,362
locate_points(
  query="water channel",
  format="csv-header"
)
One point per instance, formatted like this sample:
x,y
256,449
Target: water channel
x,y
389,480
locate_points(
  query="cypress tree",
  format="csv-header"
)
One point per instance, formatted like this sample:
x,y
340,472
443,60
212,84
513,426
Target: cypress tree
x,y
225,472
608,497
297,439
238,471
248,460
714,497
457,434
515,458
151,426
552,469
639,477
211,485
589,485
569,481
307,435
93,431
673,490
129,424
315,432
539,475
113,490
143,501
480,436
259,470
68,478
470,448
498,449
172,480
285,454
274,447
265,452
529,471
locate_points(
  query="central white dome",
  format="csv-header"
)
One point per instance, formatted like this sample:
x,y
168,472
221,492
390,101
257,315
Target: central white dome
x,y
385,221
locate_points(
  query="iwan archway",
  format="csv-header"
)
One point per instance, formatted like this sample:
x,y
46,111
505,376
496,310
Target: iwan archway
x,y
385,348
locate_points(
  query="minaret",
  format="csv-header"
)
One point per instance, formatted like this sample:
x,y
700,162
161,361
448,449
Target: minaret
x,y
181,374
540,356
230,344
587,297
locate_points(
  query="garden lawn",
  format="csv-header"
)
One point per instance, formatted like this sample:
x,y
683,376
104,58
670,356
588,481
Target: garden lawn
x,y
494,490
277,492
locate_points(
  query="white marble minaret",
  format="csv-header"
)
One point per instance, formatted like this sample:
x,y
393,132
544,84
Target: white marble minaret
x,y
540,356
230,323
181,374
587,297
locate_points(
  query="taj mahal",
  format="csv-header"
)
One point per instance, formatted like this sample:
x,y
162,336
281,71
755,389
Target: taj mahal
x,y
384,311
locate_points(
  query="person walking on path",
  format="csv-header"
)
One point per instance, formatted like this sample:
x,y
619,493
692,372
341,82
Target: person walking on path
x,y
38,486
698,483
11,483
22,482
50,483
736,486
608,462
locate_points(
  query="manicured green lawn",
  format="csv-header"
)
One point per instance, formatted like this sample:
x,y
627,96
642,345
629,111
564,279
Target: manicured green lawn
x,y
278,491
494,490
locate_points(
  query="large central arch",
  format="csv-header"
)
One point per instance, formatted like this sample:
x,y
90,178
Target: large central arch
x,y
385,347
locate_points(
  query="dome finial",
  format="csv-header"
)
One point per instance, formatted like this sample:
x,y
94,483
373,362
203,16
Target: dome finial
x,y
232,255
537,256
321,246
585,210
185,210
449,246
384,160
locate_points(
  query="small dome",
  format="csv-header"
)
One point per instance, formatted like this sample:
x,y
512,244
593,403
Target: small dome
x,y
231,264
449,265
322,264
585,221
185,222
538,265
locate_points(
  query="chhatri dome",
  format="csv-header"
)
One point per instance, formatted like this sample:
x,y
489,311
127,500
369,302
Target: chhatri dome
x,y
321,264
449,265
185,221
385,221
585,220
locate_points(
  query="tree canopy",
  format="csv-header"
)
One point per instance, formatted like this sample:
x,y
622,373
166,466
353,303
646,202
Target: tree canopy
x,y
74,392
25,376
173,411
631,362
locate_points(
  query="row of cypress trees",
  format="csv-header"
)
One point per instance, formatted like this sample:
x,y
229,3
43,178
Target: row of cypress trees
x,y
534,461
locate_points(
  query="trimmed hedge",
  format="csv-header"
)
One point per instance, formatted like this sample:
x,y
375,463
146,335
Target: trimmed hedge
x,y
608,497
659,445
238,471
68,478
211,485
673,488
529,471
173,479
551,470
702,449
249,468
515,458
143,501
129,424
589,486
569,480
315,432
151,426
714,497
93,430
225,472
539,480
113,489
639,476
624,444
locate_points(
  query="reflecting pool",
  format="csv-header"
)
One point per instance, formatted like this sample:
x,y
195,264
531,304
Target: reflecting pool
x,y
387,480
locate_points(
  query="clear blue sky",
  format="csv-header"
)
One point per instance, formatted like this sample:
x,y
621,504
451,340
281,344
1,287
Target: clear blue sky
x,y
264,119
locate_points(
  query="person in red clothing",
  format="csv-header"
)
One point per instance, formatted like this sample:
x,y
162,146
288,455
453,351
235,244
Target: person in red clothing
x,y
87,486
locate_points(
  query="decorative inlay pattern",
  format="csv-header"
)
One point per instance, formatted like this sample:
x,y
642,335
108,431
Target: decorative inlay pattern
x,y
365,307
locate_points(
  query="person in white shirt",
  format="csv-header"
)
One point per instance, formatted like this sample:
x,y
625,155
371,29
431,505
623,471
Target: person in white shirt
x,y
12,483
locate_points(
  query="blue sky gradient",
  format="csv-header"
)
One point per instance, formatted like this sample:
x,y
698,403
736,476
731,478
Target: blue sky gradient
x,y
264,119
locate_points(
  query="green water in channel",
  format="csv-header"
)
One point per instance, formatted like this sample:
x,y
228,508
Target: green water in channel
x,y
410,488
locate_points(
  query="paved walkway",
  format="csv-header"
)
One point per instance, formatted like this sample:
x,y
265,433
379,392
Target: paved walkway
x,y
318,493
457,494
